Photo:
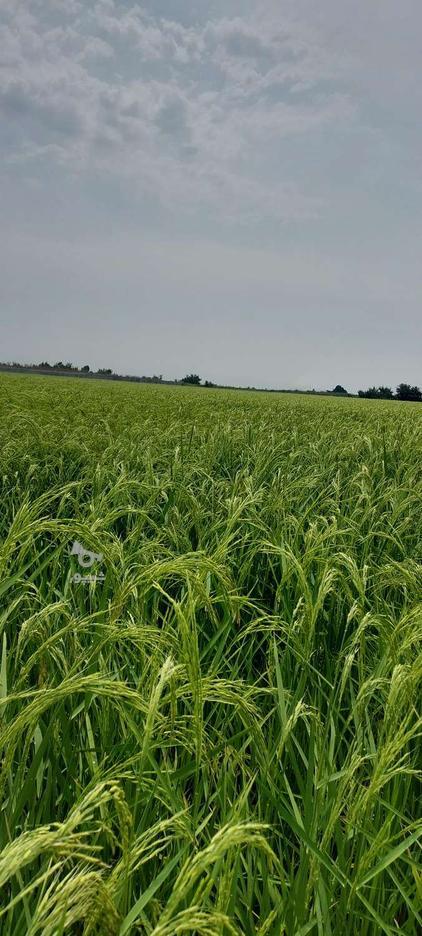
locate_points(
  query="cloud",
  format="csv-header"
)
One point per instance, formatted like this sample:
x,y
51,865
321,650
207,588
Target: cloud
x,y
172,118
184,111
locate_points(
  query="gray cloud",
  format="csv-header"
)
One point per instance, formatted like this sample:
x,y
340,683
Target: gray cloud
x,y
54,87
172,118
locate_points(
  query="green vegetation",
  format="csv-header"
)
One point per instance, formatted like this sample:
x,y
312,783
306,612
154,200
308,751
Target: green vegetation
x,y
193,379
222,736
404,393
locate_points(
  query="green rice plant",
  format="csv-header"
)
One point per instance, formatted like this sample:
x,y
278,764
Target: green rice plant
x,y
220,734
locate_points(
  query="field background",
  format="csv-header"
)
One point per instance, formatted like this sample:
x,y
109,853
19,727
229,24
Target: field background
x,y
222,737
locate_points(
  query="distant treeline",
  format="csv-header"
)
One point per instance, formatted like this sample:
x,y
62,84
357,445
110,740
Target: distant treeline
x,y
404,392
70,370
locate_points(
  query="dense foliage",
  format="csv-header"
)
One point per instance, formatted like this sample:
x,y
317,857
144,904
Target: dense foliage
x,y
221,736
404,392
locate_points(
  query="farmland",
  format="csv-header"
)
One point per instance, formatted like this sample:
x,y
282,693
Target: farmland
x,y
220,734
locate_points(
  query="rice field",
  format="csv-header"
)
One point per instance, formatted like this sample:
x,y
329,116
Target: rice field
x,y
211,727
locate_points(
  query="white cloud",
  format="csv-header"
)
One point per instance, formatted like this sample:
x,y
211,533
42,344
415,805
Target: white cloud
x,y
190,122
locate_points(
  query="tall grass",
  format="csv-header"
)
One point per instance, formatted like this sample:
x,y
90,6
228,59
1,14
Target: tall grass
x,y
223,736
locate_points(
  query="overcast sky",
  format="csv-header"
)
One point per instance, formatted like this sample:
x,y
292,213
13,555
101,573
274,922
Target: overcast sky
x,y
227,188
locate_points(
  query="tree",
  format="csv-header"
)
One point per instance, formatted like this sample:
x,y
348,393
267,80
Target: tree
x,y
339,389
372,393
406,392
104,370
85,369
209,383
377,393
193,379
